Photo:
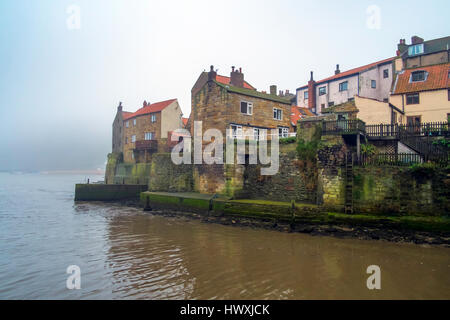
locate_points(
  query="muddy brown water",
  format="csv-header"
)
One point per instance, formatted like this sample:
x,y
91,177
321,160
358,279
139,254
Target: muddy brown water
x,y
125,253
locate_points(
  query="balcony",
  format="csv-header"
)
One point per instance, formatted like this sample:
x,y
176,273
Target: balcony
x,y
146,145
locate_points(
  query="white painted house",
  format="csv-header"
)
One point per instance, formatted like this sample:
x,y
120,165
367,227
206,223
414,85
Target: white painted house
x,y
370,81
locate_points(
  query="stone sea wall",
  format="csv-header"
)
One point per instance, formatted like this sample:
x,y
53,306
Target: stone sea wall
x,y
312,170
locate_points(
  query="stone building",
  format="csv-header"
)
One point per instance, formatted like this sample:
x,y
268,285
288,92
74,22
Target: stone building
x,y
370,81
139,134
238,106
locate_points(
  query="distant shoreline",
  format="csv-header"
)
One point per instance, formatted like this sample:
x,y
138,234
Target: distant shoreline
x,y
90,172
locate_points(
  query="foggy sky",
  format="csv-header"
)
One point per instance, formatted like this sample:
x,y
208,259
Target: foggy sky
x,y
59,88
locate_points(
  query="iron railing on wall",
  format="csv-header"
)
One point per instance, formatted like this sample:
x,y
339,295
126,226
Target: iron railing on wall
x,y
428,129
390,159
343,127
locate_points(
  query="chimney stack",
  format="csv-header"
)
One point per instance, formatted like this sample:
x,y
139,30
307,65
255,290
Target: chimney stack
x,y
144,104
337,71
273,90
237,78
416,40
212,74
312,93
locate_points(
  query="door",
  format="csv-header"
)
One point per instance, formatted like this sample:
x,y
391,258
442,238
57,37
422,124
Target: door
x,y
413,123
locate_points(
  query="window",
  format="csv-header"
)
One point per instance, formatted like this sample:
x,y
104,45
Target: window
x,y
277,114
373,84
412,98
283,132
343,86
256,133
305,95
386,100
134,122
236,131
322,91
386,73
126,140
149,135
153,117
127,124
132,155
331,103
133,138
418,76
351,99
416,49
246,107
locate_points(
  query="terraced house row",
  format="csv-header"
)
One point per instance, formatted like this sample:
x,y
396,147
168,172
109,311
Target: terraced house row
x,y
411,87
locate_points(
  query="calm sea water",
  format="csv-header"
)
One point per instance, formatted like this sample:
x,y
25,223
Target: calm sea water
x,y
125,253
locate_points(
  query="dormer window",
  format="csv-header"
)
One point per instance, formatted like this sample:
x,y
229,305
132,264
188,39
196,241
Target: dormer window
x,y
417,76
415,49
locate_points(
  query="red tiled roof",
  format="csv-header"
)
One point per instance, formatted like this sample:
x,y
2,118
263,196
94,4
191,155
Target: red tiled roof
x,y
155,107
185,120
226,80
298,113
437,79
352,71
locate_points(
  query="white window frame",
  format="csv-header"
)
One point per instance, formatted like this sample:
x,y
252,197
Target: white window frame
x,y
133,138
371,84
249,108
341,84
134,122
237,133
425,76
415,49
276,117
305,95
325,90
153,118
127,124
149,136
256,134
283,132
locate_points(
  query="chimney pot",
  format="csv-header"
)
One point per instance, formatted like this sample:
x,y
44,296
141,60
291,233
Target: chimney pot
x,y
337,71
211,68
240,70
236,78
311,76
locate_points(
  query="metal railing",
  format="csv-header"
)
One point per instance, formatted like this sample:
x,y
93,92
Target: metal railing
x,y
428,129
343,127
390,159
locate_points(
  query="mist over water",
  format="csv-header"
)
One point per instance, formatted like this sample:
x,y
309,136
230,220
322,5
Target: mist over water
x,y
125,253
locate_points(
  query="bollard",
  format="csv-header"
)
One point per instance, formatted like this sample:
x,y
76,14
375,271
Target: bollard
x,y
147,205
